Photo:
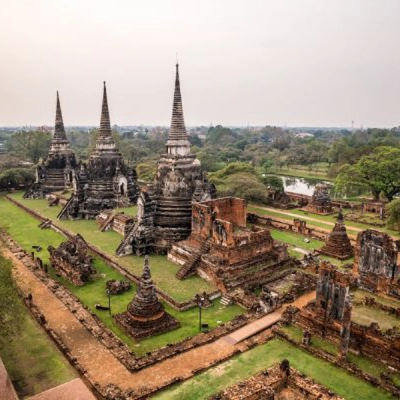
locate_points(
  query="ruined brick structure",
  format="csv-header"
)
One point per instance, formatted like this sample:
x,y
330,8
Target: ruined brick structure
x,y
329,316
106,182
165,213
72,260
145,315
332,307
320,202
223,250
280,382
376,262
55,174
338,244
116,221
117,287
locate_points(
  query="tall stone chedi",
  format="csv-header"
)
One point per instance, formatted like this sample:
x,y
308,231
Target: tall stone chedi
x,y
106,182
179,181
56,172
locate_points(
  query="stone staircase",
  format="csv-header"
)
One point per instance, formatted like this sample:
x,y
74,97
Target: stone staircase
x,y
189,267
108,221
64,210
226,300
127,240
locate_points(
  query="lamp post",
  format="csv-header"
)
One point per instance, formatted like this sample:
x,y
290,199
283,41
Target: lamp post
x,y
200,302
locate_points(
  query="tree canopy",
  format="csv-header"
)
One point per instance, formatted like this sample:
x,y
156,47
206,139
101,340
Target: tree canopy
x,y
379,171
29,145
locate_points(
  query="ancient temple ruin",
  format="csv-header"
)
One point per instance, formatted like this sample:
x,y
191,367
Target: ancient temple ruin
x,y
106,182
72,260
55,173
165,210
331,311
321,202
280,382
376,262
223,250
338,244
145,315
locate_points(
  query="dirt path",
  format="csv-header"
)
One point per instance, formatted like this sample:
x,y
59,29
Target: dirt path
x,y
103,367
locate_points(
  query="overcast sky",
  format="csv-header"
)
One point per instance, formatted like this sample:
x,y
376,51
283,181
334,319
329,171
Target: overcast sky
x,y
299,62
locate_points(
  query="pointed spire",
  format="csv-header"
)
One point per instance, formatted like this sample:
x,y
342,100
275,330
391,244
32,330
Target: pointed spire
x,y
340,217
105,125
146,268
59,130
178,129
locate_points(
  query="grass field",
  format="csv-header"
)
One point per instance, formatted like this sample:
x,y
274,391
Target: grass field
x,y
32,360
302,172
321,219
162,269
24,229
364,315
204,385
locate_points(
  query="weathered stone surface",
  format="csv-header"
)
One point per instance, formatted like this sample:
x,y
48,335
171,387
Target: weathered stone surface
x,y
338,244
106,182
165,212
117,287
376,262
222,249
56,172
145,315
72,260
280,382
320,201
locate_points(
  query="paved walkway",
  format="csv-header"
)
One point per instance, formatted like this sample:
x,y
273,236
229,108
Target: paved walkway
x,y
101,364
72,390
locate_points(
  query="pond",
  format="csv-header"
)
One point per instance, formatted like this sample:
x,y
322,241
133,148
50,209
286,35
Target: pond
x,y
307,185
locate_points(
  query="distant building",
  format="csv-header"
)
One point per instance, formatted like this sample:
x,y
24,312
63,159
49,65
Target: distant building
x,y
303,135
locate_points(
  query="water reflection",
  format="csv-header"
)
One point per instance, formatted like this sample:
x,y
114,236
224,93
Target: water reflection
x,y
307,185
301,185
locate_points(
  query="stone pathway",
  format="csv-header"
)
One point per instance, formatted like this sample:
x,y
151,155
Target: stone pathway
x,y
101,364
74,389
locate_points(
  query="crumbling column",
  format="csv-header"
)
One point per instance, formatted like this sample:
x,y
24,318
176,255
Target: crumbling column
x,y
345,329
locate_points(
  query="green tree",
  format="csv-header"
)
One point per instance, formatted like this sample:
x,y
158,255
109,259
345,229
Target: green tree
x,y
273,182
244,185
231,169
146,171
29,145
379,171
393,214
16,177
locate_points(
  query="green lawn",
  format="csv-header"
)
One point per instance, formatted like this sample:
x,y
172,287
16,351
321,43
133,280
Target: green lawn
x,y
301,173
296,240
360,294
32,360
364,315
162,269
215,379
322,219
24,229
